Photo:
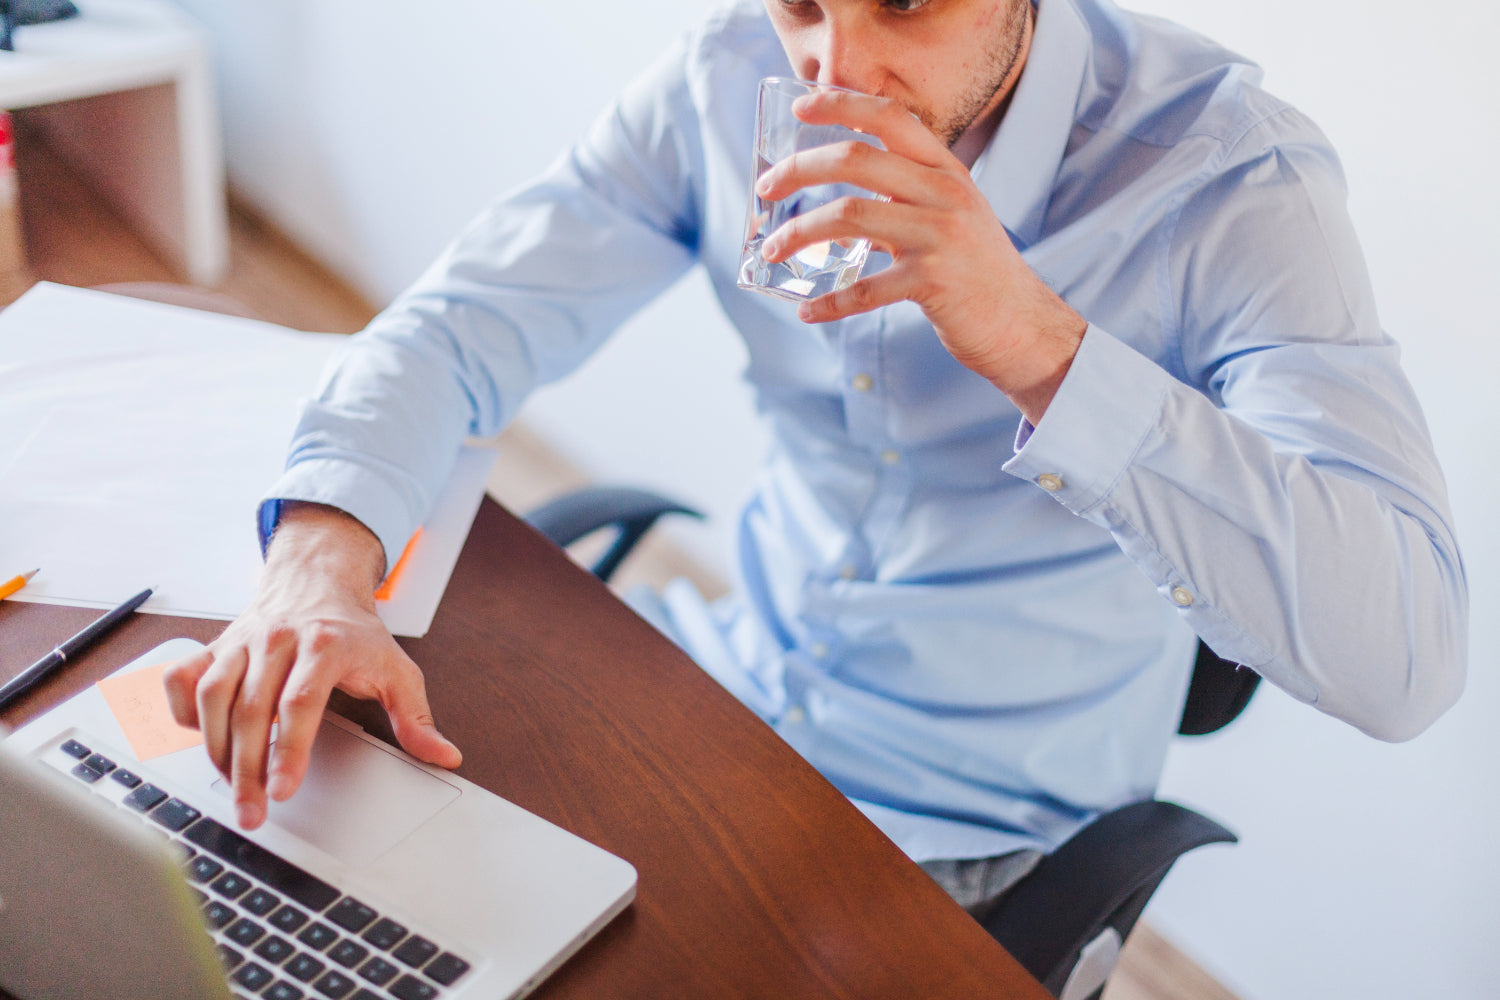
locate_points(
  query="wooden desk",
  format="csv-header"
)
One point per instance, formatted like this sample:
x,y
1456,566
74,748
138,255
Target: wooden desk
x,y
757,878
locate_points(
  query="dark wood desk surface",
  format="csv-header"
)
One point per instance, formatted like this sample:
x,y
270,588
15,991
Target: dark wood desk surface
x,y
757,878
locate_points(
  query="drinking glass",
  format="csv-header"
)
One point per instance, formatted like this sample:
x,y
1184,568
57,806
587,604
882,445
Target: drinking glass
x,y
825,266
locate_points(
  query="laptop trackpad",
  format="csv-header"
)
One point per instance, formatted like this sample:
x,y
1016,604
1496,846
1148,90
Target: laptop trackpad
x,y
358,799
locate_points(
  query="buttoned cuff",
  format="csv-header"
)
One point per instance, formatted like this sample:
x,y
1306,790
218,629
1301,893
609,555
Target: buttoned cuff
x,y
353,489
1107,405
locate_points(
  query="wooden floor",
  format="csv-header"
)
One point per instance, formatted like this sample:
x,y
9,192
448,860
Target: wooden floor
x,y
73,238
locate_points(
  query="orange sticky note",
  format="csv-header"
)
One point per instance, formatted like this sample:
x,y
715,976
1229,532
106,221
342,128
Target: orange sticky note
x,y
139,702
388,587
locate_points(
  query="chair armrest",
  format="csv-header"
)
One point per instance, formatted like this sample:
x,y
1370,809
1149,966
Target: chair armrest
x,y
1102,876
1218,692
574,515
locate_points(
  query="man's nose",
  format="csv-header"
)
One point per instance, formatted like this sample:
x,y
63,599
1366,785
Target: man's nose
x,y
844,57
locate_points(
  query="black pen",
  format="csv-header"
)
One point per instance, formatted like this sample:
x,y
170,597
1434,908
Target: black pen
x,y
48,664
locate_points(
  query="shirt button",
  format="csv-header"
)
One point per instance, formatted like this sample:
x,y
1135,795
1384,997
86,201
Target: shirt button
x,y
849,571
794,716
1049,482
862,382
819,650
890,456
1182,596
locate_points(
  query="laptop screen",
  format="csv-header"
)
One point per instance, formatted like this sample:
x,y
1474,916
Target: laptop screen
x,y
92,904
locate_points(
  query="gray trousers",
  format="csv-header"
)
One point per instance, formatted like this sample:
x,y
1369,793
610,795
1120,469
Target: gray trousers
x,y
978,884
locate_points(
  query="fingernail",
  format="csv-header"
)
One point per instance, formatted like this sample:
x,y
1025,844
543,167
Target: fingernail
x,y
249,814
280,786
805,312
445,741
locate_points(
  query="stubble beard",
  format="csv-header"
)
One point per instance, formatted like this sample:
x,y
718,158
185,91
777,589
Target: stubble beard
x,y
988,81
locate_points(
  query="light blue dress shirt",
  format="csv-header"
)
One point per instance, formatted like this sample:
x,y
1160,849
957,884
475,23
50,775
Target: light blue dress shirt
x,y
979,630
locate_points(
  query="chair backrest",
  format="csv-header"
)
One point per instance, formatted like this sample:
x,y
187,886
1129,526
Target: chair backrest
x,y
1219,691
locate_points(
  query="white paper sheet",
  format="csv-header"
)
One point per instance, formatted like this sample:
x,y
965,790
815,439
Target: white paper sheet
x,y
136,439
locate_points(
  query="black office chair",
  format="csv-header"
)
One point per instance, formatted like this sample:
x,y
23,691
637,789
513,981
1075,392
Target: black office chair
x,y
1068,919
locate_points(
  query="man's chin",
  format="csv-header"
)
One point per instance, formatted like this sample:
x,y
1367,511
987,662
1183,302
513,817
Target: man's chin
x,y
939,129
946,132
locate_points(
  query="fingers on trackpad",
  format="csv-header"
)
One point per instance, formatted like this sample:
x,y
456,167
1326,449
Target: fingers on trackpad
x,y
358,800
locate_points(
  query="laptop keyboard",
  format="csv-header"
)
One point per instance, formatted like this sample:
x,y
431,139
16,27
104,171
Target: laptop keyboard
x,y
282,933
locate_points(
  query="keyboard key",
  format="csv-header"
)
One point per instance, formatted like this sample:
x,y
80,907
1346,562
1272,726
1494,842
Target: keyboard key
x,y
364,994
100,763
415,951
284,990
203,868
446,968
217,914
145,798
378,971
259,902
412,988
228,957
348,953
86,773
252,976
274,871
384,933
334,984
288,919
318,936
350,914
245,931
174,814
75,749
303,966
127,778
275,949
230,885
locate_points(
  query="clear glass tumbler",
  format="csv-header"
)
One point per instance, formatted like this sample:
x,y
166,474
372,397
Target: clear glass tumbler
x,y
823,267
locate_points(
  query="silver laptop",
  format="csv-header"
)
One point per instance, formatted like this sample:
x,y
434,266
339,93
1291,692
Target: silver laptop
x,y
382,877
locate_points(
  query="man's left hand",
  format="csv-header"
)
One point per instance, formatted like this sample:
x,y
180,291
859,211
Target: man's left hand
x,y
950,253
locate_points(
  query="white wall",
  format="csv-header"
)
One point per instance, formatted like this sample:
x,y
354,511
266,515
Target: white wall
x,y
1365,870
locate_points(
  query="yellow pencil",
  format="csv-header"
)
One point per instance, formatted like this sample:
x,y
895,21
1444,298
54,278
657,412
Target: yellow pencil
x,y
15,583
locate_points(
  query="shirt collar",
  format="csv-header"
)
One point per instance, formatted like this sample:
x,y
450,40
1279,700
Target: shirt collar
x,y
1017,169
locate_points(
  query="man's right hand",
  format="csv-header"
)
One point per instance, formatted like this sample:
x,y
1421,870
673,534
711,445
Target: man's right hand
x,y
311,627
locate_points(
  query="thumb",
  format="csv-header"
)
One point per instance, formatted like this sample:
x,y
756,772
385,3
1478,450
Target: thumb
x,y
411,719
